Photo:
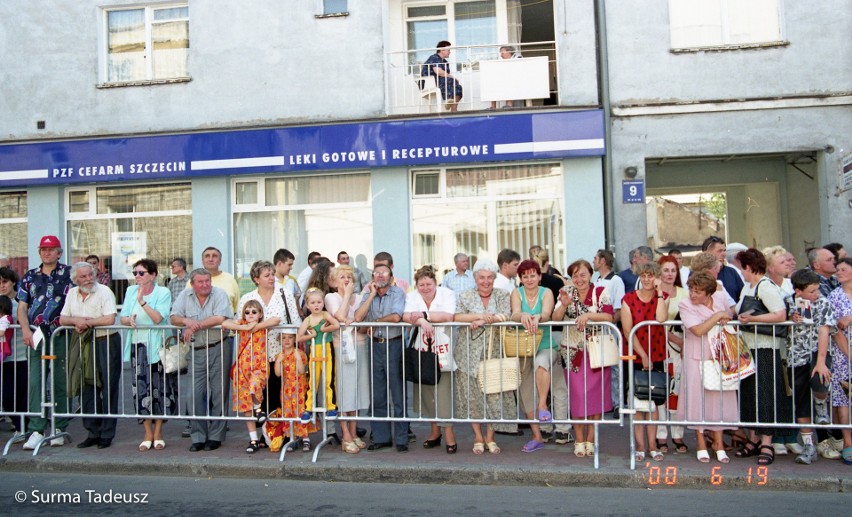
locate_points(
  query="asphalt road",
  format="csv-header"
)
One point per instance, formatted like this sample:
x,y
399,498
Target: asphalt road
x,y
64,494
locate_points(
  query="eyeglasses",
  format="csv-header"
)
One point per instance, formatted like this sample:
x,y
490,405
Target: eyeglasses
x,y
139,273
251,311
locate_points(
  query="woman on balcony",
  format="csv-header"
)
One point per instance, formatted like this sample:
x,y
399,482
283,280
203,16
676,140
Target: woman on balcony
x,y
438,66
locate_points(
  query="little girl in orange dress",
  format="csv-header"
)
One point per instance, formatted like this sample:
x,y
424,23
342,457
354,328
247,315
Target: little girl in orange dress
x,y
251,369
291,365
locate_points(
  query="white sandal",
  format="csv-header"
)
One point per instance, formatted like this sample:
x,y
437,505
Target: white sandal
x,y
145,446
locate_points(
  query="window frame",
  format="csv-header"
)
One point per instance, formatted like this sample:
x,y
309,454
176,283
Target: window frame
x,y
92,212
450,17
323,12
725,42
103,45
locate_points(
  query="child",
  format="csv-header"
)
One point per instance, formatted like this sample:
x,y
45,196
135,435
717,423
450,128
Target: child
x,y
290,365
808,357
251,368
317,328
7,334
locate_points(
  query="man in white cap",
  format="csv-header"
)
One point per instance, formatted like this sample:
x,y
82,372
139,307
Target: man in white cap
x,y
41,296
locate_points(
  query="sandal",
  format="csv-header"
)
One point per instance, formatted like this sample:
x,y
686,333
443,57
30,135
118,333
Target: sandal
x,y
640,456
590,449
261,443
532,446
657,456
451,449
259,415
478,448
159,444
722,456
663,446
544,416
749,449
680,447
580,449
252,447
846,454
306,445
360,443
145,446
350,448
431,444
493,448
703,456
764,458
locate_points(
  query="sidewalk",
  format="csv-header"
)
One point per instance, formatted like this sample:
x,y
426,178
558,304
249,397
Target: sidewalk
x,y
555,465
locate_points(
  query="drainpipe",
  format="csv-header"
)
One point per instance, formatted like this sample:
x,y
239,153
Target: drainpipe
x,y
604,102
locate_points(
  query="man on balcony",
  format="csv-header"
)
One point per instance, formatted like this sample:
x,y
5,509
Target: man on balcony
x,y
437,65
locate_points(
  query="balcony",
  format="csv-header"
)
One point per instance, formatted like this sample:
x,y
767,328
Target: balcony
x,y
488,81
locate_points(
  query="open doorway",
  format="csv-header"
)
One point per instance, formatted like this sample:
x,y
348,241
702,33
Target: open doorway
x,y
683,221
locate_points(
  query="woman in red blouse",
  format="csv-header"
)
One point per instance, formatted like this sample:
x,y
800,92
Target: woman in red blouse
x,y
648,303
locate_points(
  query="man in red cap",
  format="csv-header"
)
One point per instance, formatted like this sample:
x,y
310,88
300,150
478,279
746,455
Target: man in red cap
x,y
41,296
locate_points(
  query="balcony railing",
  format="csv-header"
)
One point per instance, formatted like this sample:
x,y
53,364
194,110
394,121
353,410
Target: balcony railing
x,y
484,76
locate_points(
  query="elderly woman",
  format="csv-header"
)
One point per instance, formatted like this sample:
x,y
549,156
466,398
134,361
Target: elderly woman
x,y
353,379
262,274
425,305
710,263
147,304
648,303
705,308
763,396
779,268
841,370
481,306
590,390
531,305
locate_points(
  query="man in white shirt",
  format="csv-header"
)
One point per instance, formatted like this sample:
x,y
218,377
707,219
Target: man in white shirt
x,y
211,257
507,261
88,306
606,278
305,275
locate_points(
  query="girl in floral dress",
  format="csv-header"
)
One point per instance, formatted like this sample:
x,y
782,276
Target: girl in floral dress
x,y
291,365
251,369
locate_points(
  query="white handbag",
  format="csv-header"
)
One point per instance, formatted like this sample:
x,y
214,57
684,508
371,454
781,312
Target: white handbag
x,y
603,351
174,355
348,353
499,374
711,377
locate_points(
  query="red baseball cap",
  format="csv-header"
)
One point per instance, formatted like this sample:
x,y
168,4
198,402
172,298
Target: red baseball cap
x,y
49,241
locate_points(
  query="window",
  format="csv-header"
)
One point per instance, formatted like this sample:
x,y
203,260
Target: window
x,y
146,44
481,210
461,23
124,224
325,213
13,230
724,23
333,7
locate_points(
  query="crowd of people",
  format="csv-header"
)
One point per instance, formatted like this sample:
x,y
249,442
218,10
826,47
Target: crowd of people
x,y
287,358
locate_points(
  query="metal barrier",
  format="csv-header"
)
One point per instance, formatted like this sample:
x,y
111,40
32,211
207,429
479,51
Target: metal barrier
x,y
753,402
19,403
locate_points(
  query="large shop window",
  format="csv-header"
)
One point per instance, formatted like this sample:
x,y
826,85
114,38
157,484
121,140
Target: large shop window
x,y
146,43
124,224
724,23
479,211
13,230
327,213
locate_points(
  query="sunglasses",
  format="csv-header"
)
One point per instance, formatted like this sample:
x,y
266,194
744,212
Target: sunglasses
x,y
251,311
139,273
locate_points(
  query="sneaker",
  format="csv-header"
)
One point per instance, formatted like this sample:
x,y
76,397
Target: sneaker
x,y
331,413
563,438
546,436
795,448
826,449
306,417
186,432
780,449
57,442
836,444
37,437
18,437
808,455
821,414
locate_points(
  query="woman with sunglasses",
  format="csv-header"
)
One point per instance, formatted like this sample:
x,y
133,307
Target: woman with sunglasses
x,y
148,305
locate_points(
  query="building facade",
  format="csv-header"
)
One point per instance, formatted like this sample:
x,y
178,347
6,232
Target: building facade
x,y
157,129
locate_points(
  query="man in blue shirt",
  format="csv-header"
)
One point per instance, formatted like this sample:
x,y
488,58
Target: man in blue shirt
x,y
384,303
460,279
729,276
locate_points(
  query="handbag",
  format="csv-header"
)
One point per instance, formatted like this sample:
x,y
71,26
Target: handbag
x,y
712,380
650,385
421,365
756,307
499,374
603,351
174,355
517,342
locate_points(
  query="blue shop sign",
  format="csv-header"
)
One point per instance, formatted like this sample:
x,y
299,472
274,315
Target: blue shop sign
x,y
306,148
